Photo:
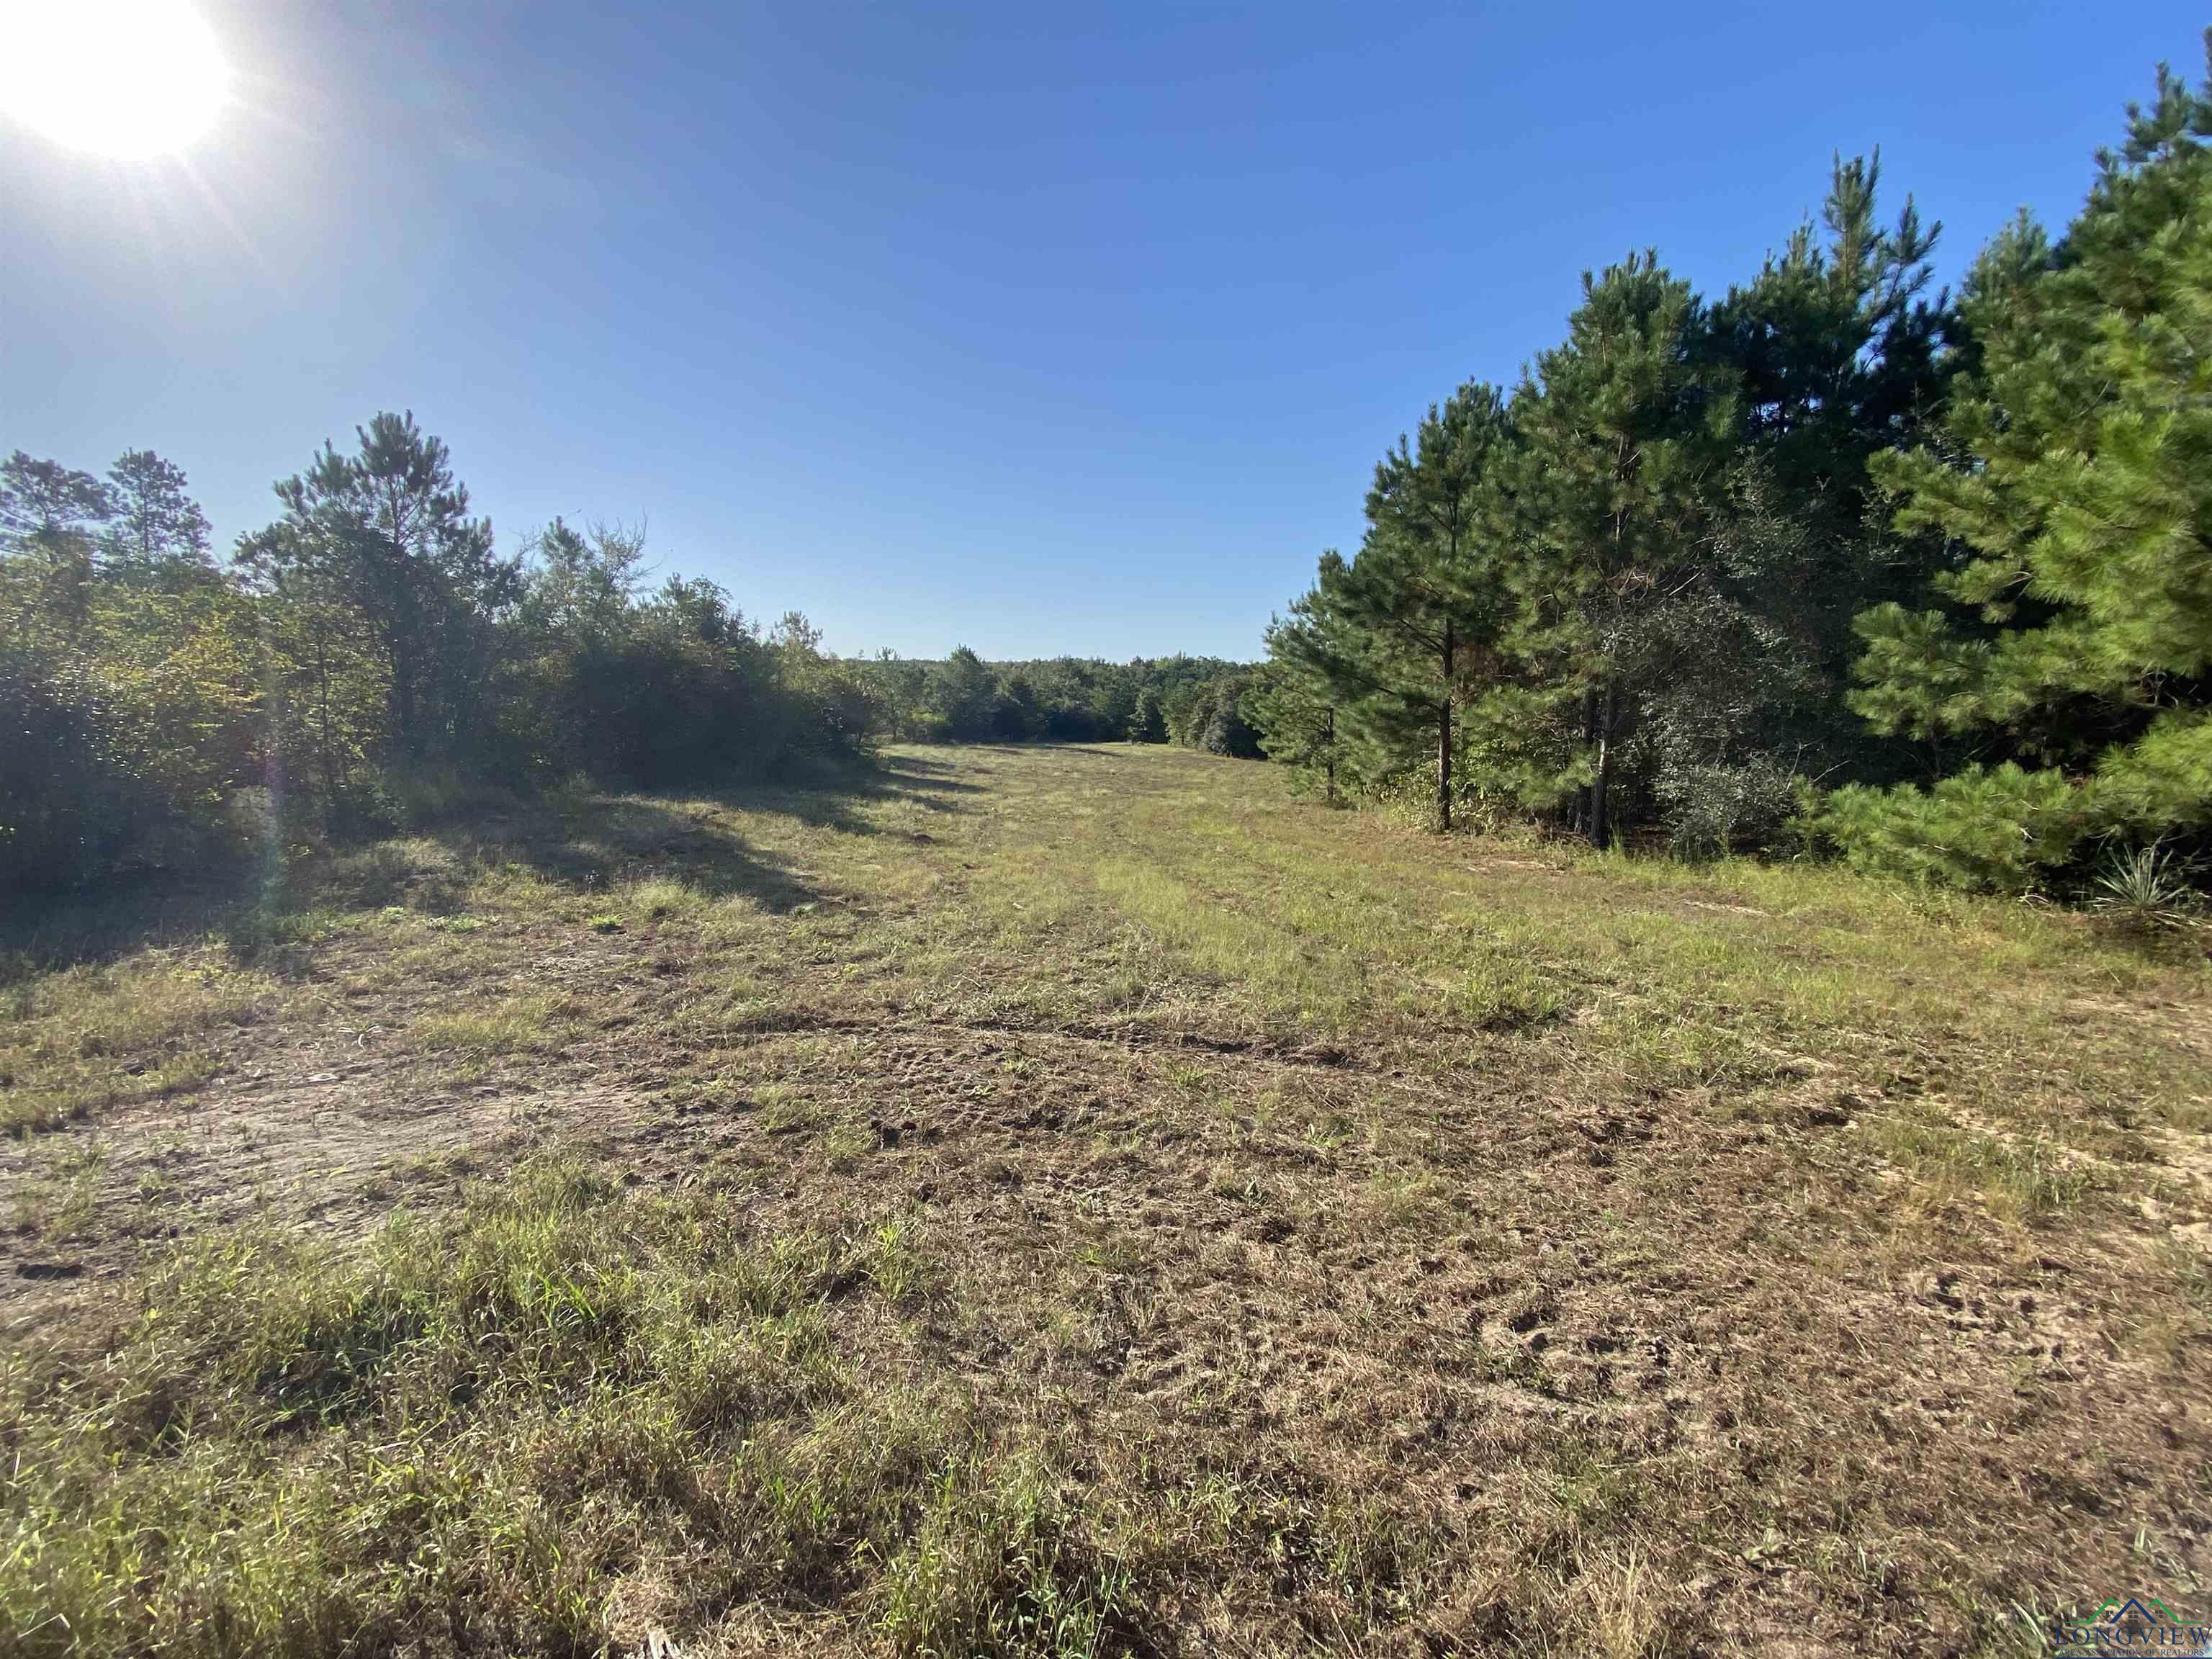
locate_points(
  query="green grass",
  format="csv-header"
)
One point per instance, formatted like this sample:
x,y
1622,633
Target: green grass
x,y
1086,1201
482,1429
528,1024
83,1040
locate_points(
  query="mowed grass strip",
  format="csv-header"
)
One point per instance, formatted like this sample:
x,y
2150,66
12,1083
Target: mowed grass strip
x,y
1115,1206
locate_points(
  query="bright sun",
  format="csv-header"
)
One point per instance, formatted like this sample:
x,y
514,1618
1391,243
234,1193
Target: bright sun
x,y
124,78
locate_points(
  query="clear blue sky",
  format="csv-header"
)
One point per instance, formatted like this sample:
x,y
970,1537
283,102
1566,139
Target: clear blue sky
x,y
1044,328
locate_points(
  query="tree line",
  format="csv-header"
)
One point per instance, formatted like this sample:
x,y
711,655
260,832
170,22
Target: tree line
x,y
1197,703
1832,558
1829,561
367,651
366,647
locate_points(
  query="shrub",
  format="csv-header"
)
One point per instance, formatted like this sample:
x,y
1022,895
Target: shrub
x,y
1713,811
2145,889
1999,829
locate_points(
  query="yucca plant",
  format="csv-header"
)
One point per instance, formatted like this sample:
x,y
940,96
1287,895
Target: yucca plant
x,y
2150,888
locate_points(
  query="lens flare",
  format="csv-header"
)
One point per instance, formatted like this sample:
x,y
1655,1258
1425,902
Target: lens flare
x,y
128,79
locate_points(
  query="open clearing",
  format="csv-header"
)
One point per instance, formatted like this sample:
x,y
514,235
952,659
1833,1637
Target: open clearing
x,y
1085,1200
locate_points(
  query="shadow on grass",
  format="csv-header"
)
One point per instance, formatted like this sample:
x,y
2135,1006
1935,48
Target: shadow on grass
x,y
586,844
581,840
1087,752
125,913
828,798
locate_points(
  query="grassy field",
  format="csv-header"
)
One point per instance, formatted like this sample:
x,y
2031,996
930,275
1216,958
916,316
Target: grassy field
x,y
1086,1201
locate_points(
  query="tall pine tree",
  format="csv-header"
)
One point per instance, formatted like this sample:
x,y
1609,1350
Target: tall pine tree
x,y
1395,631
387,530
1607,511
2068,658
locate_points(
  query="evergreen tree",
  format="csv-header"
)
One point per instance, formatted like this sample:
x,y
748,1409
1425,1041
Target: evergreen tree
x,y
47,515
1294,712
1015,716
44,506
1607,508
1837,355
965,692
157,534
1148,722
1227,730
388,528
1393,632
2066,662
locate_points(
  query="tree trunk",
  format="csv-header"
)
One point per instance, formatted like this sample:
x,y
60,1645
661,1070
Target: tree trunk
x,y
1329,730
323,700
1578,816
1444,744
1600,832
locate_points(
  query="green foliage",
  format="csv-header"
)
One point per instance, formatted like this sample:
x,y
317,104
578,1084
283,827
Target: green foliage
x,y
1712,810
2071,630
673,686
1607,515
1997,828
1148,722
130,723
385,532
156,534
1293,714
1648,560
1228,729
2148,889
1636,598
368,638
1392,634
964,699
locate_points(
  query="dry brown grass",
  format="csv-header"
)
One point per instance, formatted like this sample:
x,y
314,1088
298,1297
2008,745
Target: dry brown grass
x,y
1252,1227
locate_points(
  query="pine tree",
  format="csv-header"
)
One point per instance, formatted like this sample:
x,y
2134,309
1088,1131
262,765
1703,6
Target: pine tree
x,y
1393,632
2072,632
47,516
1838,355
1294,713
389,532
157,534
1608,506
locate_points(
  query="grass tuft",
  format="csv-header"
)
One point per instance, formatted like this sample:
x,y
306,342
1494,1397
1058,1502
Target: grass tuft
x,y
529,1024
467,1430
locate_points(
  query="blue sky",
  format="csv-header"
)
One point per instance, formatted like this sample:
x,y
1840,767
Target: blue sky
x,y
1041,328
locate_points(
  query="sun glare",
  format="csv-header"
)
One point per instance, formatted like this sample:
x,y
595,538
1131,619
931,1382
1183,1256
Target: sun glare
x,y
124,78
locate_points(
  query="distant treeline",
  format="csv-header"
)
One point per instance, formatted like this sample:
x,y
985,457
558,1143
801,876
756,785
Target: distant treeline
x,y
1829,561
1195,702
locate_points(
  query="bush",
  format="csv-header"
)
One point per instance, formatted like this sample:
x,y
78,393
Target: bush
x,y
1713,811
1998,829
125,733
2147,890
